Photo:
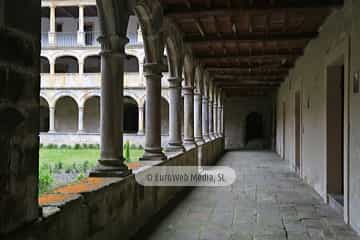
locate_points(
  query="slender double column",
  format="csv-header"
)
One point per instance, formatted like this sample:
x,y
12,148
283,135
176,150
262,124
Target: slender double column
x,y
52,32
205,118
198,118
81,32
81,120
188,116
175,143
153,150
111,162
52,120
211,120
141,121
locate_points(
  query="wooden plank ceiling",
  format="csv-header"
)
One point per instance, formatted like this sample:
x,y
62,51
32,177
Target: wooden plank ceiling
x,y
249,45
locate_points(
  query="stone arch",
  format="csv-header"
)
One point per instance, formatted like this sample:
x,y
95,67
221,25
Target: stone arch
x,y
66,64
86,96
131,64
44,65
92,64
131,115
64,94
92,114
198,79
189,70
44,115
150,15
66,114
174,49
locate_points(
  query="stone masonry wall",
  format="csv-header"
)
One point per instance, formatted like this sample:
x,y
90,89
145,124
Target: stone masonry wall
x,y
19,111
108,208
339,38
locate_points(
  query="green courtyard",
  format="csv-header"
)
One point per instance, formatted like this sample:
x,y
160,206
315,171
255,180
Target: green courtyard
x,y
62,165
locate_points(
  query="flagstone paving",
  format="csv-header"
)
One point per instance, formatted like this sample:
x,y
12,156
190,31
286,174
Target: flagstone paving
x,y
267,202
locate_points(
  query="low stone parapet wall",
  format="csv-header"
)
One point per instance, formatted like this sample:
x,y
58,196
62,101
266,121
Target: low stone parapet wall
x,y
109,208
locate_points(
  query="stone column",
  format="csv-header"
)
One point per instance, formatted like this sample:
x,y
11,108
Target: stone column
x,y
211,120
111,162
141,121
153,150
205,118
81,33
52,32
215,118
188,116
52,120
81,66
219,119
175,143
81,120
52,67
198,118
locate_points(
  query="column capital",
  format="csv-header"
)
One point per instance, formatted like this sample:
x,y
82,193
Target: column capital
x,y
154,68
174,82
112,44
188,90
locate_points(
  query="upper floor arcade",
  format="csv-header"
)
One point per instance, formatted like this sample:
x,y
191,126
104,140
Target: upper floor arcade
x,y
74,24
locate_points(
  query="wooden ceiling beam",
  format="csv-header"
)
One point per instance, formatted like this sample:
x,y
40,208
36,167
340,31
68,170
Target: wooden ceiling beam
x,y
252,38
248,58
220,12
236,69
272,54
200,27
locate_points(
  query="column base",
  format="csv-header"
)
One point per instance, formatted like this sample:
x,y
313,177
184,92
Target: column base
x,y
174,148
153,154
199,141
207,138
111,168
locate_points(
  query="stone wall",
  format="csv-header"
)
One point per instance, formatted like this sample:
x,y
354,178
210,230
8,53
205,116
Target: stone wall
x,y
19,111
236,112
339,39
108,208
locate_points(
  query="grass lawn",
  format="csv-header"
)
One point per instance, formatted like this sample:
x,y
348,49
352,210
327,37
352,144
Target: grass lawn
x,y
71,157
59,166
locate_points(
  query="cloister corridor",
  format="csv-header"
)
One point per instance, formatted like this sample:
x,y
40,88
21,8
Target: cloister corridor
x,y
267,201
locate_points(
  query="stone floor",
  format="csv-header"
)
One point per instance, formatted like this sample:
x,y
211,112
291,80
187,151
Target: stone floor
x,y
266,202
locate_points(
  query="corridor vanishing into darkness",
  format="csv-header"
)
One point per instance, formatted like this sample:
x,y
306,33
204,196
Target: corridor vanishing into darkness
x,y
267,201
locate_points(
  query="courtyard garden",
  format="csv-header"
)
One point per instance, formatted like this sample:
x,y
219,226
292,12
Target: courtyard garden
x,y
60,165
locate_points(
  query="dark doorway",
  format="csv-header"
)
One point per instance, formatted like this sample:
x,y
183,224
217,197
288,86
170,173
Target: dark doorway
x,y
89,33
131,115
254,130
335,133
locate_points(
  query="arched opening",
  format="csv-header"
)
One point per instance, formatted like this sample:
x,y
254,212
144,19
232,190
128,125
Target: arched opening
x,y
92,115
92,64
164,116
44,65
66,64
131,64
131,115
254,130
44,115
66,115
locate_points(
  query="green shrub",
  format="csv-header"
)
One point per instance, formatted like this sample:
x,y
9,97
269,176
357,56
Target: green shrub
x,y
64,146
97,146
46,179
80,176
140,147
127,151
41,145
133,146
84,145
77,146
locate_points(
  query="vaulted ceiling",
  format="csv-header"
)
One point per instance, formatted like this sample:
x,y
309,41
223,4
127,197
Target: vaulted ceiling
x,y
248,45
